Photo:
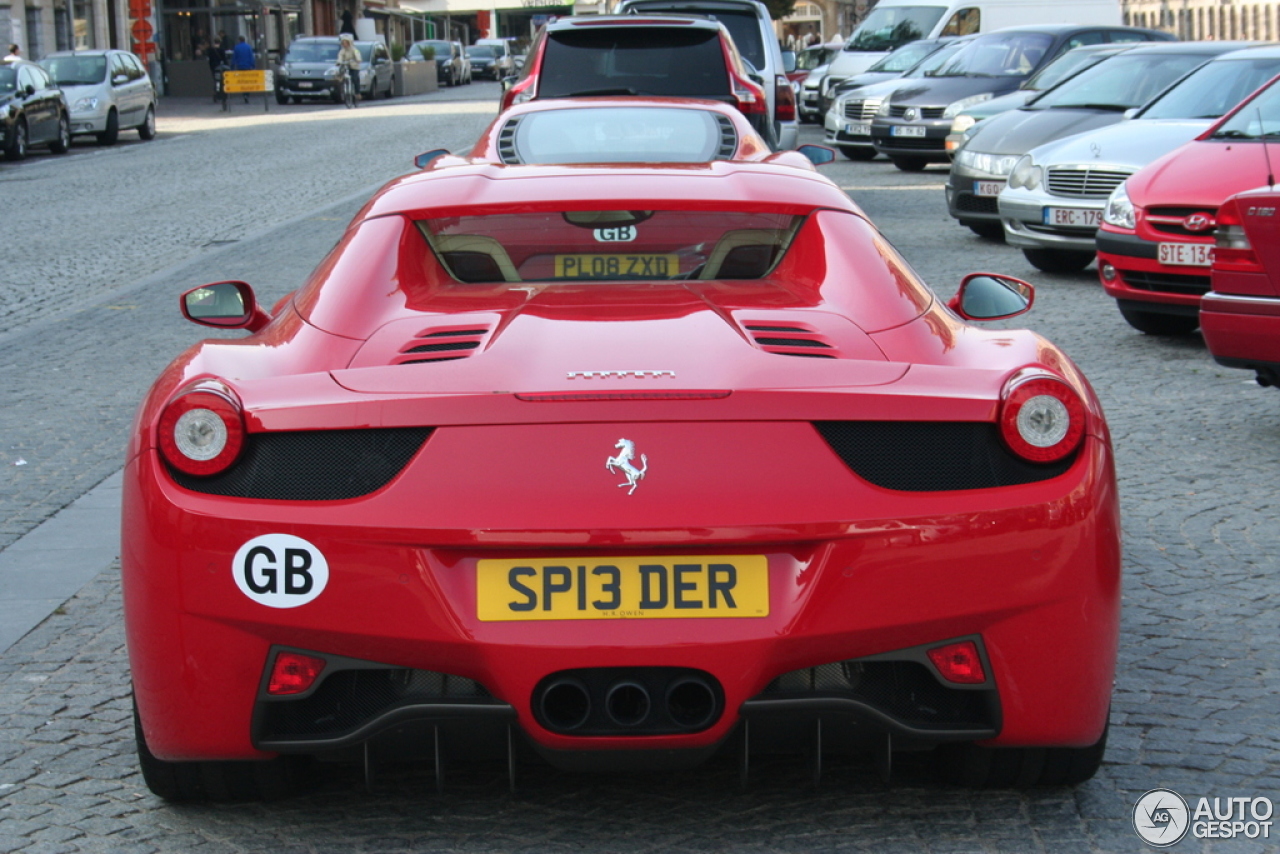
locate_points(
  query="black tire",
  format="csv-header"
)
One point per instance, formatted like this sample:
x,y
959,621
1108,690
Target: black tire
x,y
250,780
339,93
975,767
910,164
857,152
147,130
112,133
1059,260
391,88
63,143
985,230
17,149
281,97
1157,323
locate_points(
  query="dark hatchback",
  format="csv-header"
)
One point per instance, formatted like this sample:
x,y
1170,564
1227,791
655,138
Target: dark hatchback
x,y
33,111
911,126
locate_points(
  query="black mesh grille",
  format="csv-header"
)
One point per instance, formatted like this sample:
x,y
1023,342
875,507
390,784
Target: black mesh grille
x,y
931,456
904,690
914,143
1172,283
976,204
313,465
349,698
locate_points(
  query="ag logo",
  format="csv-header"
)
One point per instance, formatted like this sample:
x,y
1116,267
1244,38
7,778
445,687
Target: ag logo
x,y
280,570
1161,818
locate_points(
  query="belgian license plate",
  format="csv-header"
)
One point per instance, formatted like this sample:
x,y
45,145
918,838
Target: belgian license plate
x,y
906,130
987,188
306,84
1186,254
1073,217
857,128
610,266
616,588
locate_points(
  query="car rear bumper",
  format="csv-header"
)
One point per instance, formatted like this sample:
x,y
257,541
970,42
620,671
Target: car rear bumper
x,y
1243,331
1031,572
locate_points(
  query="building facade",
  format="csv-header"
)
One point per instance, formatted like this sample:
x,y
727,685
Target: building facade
x,y
1207,20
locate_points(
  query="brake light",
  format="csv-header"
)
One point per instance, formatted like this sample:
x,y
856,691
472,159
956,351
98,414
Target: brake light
x,y
749,96
784,102
1041,418
202,432
1232,250
294,673
959,663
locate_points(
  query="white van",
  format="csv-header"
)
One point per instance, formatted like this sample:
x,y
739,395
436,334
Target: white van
x,y
893,23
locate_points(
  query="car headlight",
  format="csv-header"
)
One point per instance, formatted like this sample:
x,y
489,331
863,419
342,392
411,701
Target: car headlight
x,y
1120,212
883,109
1025,174
84,104
829,84
962,123
998,165
957,107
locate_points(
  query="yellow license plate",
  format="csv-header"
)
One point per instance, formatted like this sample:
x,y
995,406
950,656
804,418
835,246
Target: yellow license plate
x,y
614,266
612,588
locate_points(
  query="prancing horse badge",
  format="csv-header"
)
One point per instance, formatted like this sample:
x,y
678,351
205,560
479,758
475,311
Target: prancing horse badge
x,y
622,462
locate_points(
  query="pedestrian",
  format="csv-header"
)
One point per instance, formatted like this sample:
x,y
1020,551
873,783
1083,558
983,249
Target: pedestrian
x,y
349,58
242,58
217,64
347,25
14,53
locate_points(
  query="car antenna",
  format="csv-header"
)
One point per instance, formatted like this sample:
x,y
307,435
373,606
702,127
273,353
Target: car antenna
x,y
1271,175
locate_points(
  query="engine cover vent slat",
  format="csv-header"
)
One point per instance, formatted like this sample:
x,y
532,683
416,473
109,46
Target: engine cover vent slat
x,y
442,345
507,143
790,340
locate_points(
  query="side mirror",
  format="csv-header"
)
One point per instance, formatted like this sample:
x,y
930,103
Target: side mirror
x,y
508,82
817,154
119,79
30,90
224,305
788,61
991,296
424,159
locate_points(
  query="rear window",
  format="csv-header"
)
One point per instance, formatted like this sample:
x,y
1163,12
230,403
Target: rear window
x,y
610,245
623,135
634,61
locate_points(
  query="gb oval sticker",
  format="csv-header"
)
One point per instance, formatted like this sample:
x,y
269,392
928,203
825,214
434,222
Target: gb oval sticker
x,y
280,570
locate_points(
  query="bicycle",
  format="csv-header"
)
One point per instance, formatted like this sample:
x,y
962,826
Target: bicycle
x,y
352,88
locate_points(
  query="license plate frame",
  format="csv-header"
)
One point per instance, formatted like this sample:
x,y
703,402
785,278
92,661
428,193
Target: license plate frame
x,y
987,189
857,128
613,265
1072,217
907,130
1185,254
622,587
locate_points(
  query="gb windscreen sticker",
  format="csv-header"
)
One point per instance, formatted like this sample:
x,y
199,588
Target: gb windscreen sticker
x,y
280,570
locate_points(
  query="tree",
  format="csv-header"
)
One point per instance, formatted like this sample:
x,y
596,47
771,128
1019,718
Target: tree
x,y
780,8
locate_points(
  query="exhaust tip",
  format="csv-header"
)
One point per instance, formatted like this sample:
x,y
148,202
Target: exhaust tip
x,y
627,703
691,703
565,704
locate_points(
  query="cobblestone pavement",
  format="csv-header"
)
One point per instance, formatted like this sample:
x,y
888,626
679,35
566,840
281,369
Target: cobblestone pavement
x,y
1195,707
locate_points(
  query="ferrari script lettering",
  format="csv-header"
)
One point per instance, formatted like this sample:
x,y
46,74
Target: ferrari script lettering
x,y
620,375
280,571
683,586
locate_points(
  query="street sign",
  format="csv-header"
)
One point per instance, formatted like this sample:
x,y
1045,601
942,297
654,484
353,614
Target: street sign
x,y
240,82
142,30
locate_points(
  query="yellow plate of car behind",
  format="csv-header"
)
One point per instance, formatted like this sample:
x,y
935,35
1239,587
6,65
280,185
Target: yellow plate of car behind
x,y
638,266
612,588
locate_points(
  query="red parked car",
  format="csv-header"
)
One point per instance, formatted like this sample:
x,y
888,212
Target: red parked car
x,y
665,55
1156,242
1240,316
617,466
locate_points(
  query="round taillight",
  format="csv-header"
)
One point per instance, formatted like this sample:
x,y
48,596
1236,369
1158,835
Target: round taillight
x,y
201,433
1042,420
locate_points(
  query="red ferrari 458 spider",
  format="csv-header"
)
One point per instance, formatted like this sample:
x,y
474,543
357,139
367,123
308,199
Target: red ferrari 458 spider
x,y
618,465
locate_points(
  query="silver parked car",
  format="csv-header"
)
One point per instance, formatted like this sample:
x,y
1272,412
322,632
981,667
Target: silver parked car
x,y
1054,199
108,91
310,70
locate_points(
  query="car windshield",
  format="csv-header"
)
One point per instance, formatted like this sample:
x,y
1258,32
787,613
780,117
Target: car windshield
x,y
905,57
892,26
8,78
574,246
813,57
1121,83
999,55
482,51
1212,89
622,135
1067,65
76,70
1257,119
634,61
312,52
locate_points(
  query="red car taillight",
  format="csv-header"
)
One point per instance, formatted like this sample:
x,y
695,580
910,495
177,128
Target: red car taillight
x,y
959,663
1232,250
201,432
749,96
1042,420
294,673
784,104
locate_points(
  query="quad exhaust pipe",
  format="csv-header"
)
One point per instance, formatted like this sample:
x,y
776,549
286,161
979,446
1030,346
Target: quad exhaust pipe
x,y
628,701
